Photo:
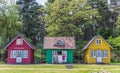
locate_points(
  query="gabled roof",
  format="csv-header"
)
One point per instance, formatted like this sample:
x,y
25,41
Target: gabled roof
x,y
92,40
69,43
24,39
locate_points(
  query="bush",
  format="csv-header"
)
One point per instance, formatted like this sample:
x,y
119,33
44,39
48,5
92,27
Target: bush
x,y
115,53
78,53
39,54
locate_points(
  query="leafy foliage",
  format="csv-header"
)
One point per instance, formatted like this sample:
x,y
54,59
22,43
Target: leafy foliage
x,y
116,45
66,18
105,23
80,18
32,19
78,53
117,28
39,54
10,25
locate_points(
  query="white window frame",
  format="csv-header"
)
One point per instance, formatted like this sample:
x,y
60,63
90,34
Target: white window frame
x,y
65,54
105,53
98,41
93,53
25,54
19,42
13,53
19,53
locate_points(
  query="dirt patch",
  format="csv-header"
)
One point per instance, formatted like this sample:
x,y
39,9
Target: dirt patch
x,y
69,66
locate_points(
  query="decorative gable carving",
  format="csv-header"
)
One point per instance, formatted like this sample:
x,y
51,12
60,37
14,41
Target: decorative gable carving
x,y
59,43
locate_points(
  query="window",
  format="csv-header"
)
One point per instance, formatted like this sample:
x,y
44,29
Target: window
x,y
25,53
19,53
19,41
93,53
105,54
13,53
98,41
59,43
64,56
99,53
54,52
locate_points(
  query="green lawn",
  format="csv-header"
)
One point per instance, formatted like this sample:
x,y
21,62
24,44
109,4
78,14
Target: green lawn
x,y
54,68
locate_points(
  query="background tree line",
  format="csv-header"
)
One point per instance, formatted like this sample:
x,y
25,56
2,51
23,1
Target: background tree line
x,y
80,18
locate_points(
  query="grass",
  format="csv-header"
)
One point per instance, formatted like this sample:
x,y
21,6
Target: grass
x,y
50,68
48,71
33,66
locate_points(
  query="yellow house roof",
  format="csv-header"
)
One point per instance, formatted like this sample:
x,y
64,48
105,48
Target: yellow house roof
x,y
91,41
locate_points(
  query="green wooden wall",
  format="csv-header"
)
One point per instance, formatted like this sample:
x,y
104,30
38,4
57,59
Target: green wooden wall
x,y
69,56
49,55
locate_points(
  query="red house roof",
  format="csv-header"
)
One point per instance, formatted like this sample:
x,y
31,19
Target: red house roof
x,y
20,35
65,43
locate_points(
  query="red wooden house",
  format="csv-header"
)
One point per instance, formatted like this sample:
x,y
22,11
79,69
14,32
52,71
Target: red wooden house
x,y
20,51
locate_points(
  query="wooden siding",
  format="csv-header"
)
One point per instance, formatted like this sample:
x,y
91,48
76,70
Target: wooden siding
x,y
25,46
70,56
94,46
48,56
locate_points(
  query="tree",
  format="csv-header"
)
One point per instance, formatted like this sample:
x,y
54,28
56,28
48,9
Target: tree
x,y
68,18
117,28
10,23
106,24
51,1
32,19
115,54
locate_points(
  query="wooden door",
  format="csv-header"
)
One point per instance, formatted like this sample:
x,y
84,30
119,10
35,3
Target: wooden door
x,y
19,56
99,56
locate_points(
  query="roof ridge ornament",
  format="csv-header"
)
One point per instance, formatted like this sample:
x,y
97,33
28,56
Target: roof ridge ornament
x,y
59,43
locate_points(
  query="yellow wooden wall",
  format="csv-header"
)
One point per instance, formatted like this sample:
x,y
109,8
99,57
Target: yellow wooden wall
x,y
94,46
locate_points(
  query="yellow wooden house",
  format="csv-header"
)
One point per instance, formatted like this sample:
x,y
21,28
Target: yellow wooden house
x,y
97,51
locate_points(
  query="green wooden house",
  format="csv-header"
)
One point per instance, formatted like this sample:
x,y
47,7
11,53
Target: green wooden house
x,y
59,49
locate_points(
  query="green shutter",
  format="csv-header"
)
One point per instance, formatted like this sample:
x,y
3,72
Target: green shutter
x,y
69,56
48,56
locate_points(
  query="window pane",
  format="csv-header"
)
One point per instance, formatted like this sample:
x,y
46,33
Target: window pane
x,y
98,41
25,54
64,56
105,53
13,54
19,53
93,53
19,42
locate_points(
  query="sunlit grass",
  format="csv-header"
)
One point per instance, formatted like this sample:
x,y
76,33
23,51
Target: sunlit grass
x,y
97,66
33,66
58,68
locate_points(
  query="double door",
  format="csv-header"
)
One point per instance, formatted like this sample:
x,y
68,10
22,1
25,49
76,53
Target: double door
x,y
59,56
